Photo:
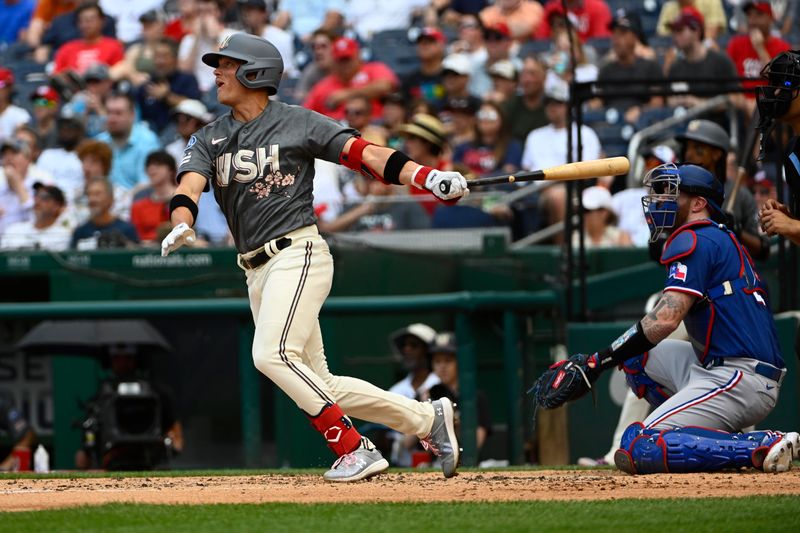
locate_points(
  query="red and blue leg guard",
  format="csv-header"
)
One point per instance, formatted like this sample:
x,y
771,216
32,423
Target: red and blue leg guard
x,y
690,449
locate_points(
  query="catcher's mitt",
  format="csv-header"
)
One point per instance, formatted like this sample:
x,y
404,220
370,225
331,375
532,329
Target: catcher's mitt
x,y
565,381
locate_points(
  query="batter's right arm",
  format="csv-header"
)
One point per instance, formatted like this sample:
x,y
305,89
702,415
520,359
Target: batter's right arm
x,y
182,215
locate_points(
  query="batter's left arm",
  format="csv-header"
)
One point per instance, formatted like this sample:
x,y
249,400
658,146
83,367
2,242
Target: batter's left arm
x,y
667,315
392,166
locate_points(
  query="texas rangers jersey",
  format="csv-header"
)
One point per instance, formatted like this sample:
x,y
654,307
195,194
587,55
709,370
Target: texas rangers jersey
x,y
262,171
731,317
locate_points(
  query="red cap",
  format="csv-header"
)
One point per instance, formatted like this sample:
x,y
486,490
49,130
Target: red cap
x,y
430,32
345,48
689,17
6,78
46,92
501,28
764,7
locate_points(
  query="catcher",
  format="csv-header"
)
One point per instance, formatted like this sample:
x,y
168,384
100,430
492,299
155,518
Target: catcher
x,y
725,378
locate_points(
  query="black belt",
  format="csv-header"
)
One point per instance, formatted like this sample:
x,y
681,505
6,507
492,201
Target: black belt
x,y
762,369
263,256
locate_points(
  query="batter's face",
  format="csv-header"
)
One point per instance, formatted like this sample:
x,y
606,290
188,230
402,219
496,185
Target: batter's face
x,y
229,89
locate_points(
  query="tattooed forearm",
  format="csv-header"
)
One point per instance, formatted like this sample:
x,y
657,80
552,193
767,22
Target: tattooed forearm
x,y
666,315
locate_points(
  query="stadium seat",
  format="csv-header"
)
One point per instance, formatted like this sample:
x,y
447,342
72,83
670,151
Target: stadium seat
x,y
535,47
286,92
650,116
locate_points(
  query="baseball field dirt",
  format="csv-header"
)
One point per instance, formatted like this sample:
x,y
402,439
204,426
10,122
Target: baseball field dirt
x,y
475,486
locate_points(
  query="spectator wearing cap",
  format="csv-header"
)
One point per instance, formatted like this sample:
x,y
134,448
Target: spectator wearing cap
x,y
64,28
590,17
11,115
627,203
499,46
547,147
751,51
410,346
525,110
522,17
47,230
712,12
599,230
762,184
627,66
458,116
140,63
166,88
321,64
426,82
89,103
444,360
504,81
61,160
130,141
425,142
206,34
16,16
93,47
255,19
150,208
44,104
128,16
102,229
17,177
189,115
456,72
698,61
351,76
493,151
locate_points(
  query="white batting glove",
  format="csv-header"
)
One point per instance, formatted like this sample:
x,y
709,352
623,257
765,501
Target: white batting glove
x,y
180,235
447,185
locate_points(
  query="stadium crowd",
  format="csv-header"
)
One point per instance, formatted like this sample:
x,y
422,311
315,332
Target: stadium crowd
x,y
99,99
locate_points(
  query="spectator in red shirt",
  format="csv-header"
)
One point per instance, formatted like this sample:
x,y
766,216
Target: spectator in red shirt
x,y
350,77
751,51
93,48
591,18
150,209
181,25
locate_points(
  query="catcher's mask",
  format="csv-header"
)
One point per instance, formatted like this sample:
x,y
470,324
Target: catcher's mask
x,y
774,99
665,183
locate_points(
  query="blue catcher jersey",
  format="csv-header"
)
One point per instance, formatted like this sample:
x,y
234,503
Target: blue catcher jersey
x,y
731,317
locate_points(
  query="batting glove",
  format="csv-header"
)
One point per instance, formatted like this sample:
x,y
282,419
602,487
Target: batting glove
x,y
446,186
180,235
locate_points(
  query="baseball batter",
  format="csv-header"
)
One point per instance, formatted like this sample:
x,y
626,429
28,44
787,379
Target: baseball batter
x,y
728,375
259,160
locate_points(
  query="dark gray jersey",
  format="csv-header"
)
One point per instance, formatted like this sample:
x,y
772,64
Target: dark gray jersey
x,y
262,171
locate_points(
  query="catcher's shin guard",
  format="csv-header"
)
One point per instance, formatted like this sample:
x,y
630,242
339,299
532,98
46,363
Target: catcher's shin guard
x,y
340,434
691,449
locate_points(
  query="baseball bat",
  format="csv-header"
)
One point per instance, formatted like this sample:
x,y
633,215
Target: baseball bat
x,y
609,166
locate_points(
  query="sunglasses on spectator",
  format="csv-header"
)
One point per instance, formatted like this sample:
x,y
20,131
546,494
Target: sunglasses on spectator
x,y
43,196
44,102
356,112
487,114
320,45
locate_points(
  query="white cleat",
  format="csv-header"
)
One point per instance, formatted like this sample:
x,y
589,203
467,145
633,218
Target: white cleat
x,y
778,458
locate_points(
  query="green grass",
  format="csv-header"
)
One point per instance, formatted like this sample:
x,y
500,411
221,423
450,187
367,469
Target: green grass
x,y
773,514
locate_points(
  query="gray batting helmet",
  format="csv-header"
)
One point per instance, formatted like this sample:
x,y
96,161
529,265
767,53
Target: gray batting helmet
x,y
259,57
707,132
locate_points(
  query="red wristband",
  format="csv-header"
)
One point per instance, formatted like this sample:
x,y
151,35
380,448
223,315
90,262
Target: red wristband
x,y
420,175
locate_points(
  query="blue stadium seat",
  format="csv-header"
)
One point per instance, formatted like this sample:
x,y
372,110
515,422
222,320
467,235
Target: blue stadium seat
x,y
286,91
653,115
393,48
601,44
535,48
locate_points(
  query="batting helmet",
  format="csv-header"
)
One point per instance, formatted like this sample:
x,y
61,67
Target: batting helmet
x,y
666,182
258,56
708,132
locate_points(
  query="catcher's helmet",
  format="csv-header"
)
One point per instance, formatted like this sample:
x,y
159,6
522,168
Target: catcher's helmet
x,y
783,83
708,132
665,183
258,56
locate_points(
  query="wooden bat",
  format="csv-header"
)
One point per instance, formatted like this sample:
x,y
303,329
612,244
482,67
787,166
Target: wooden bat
x,y
609,166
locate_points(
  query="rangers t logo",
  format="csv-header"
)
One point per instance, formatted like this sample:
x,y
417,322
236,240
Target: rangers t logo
x,y
678,271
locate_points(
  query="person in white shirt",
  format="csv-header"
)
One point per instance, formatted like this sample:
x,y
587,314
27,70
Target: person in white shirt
x,y
48,230
17,177
207,33
62,161
547,147
411,345
11,115
255,17
127,15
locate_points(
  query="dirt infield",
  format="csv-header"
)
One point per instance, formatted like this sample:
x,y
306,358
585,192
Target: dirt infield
x,y
34,494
